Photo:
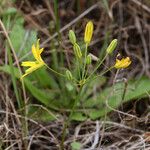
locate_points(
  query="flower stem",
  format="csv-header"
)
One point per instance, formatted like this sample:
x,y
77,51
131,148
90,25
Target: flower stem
x,y
99,64
54,71
90,79
69,118
84,67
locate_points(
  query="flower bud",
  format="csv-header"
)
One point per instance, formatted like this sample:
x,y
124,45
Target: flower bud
x,y
112,46
72,37
88,32
88,59
69,75
77,50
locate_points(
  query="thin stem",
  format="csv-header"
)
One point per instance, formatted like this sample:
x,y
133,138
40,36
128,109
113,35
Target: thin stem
x,y
104,72
103,129
86,71
75,103
85,55
69,118
78,64
63,135
56,8
88,79
54,71
99,64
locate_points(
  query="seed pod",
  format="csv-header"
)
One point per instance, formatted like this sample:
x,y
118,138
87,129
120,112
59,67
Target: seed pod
x,y
112,46
77,51
72,37
88,32
88,59
69,75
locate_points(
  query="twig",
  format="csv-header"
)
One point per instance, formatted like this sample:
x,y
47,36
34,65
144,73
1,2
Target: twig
x,y
137,2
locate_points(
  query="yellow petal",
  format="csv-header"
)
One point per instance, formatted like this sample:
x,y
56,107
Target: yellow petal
x,y
28,63
31,69
123,63
126,64
41,50
34,65
88,32
37,53
34,52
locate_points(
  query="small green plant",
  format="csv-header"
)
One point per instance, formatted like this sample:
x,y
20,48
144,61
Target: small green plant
x,y
82,60
80,77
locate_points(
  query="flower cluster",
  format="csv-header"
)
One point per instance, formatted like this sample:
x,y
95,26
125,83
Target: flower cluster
x,y
38,63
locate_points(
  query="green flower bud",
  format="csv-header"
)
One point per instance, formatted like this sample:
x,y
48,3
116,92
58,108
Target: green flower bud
x,y
112,46
72,37
88,59
69,75
77,50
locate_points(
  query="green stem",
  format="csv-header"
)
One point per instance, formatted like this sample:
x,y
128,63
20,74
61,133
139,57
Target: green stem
x,y
75,103
56,8
86,72
54,71
99,64
88,79
85,55
78,65
104,72
69,118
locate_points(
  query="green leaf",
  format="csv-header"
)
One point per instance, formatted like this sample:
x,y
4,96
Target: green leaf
x,y
44,78
138,89
43,96
41,114
77,116
21,38
24,47
9,11
135,89
17,34
76,146
89,89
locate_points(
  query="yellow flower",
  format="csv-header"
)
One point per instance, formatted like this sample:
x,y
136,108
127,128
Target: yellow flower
x,y
88,32
34,65
123,63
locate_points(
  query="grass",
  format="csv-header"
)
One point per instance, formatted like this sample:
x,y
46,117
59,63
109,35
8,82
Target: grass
x,y
63,110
